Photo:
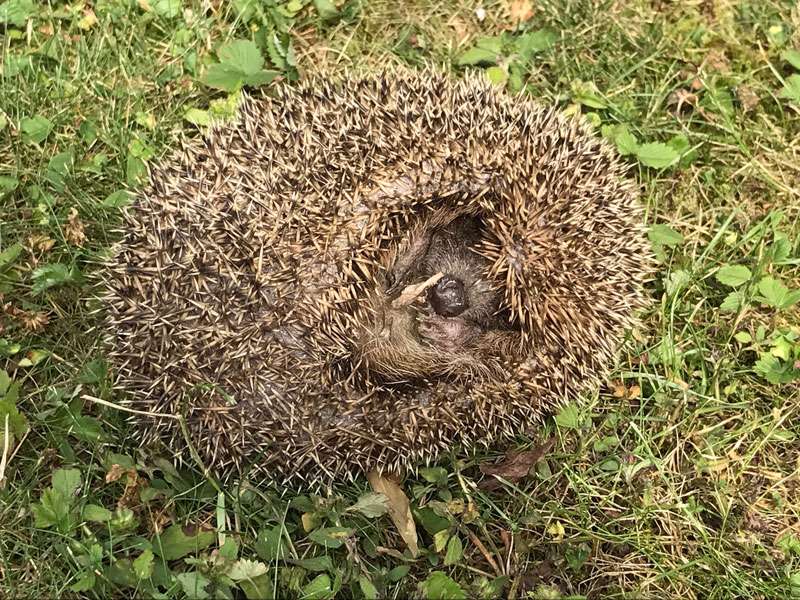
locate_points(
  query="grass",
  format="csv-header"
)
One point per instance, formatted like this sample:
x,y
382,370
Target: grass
x,y
677,479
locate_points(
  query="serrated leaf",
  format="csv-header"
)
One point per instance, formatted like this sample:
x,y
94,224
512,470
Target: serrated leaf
x,y
371,505
17,12
656,155
791,88
35,129
733,275
143,565
773,292
732,302
330,537
568,417
664,235
193,584
96,513
439,586
176,541
625,141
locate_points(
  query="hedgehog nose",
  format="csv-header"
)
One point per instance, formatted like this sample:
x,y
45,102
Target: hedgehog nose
x,y
448,297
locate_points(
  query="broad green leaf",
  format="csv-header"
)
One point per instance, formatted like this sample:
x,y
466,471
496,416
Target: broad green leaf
x,y
485,52
623,139
330,537
177,542
656,155
529,44
791,88
664,235
792,56
9,413
326,9
168,9
9,256
53,510
315,564
66,481
497,75
8,184
733,275
195,116
194,584
143,565
371,505
88,429
455,550
244,55
84,583
36,129
97,514
240,63
367,588
269,544
118,199
397,573
568,417
732,302
439,586
135,170
258,588
773,292
587,94
317,589
58,168
434,474
743,337
17,12
95,371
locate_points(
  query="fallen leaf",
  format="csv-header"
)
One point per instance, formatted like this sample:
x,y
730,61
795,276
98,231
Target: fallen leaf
x,y
620,390
717,60
40,242
412,292
681,98
74,230
515,465
747,97
520,11
399,508
32,320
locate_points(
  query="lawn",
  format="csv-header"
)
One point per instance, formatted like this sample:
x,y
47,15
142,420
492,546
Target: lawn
x,y
680,477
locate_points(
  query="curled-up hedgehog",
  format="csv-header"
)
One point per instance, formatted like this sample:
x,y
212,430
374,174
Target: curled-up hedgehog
x,y
361,274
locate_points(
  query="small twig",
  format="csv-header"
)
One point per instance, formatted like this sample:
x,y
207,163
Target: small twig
x,y
479,545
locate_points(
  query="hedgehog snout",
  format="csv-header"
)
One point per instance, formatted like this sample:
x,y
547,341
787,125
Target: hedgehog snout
x,y
448,297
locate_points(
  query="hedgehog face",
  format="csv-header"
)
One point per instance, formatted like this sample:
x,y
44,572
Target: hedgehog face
x,y
440,306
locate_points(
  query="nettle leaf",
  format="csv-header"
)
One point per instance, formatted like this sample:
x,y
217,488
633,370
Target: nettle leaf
x,y
330,537
664,235
486,51
35,129
17,12
97,514
791,88
657,155
732,302
774,370
439,586
777,295
371,505
733,275
177,542
622,138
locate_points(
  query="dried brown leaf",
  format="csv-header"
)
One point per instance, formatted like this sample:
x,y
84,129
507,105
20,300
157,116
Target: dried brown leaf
x,y
74,230
520,10
399,508
515,465
40,242
747,97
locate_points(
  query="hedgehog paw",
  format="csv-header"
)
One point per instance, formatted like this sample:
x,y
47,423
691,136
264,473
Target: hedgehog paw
x,y
449,334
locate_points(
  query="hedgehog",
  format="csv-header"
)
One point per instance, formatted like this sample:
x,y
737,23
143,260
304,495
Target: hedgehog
x,y
365,273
